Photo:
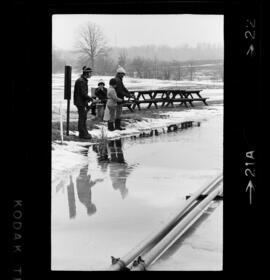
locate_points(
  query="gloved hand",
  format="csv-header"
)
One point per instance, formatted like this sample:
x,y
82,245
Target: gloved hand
x,y
121,102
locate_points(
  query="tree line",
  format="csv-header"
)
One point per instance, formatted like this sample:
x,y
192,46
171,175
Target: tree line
x,y
160,62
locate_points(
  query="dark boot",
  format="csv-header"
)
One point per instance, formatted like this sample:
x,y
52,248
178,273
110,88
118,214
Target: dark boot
x,y
110,126
118,125
85,136
93,111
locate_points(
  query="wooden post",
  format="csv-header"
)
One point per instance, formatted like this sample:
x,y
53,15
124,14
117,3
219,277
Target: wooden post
x,y
67,93
61,123
68,110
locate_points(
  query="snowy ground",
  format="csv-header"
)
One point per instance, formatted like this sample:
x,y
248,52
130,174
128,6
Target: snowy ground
x,y
210,89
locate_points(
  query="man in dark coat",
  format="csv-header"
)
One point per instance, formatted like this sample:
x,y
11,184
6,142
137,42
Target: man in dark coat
x,y
81,99
121,91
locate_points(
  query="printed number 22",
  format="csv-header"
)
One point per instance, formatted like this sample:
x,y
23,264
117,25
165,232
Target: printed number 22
x,y
249,34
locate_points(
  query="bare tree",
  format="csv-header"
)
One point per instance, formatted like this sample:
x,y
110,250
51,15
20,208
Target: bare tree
x,y
138,64
166,72
179,72
105,65
155,67
191,70
91,43
122,59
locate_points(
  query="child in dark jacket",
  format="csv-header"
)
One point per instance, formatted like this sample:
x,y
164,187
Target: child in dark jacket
x,y
101,92
101,95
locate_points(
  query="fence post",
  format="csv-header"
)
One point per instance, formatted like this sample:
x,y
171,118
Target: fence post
x,y
61,123
67,93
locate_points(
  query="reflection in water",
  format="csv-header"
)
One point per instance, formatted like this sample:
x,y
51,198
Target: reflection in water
x,y
102,155
118,167
71,199
110,153
84,185
60,186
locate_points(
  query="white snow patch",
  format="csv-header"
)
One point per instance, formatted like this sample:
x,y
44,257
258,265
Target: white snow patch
x,y
66,158
130,83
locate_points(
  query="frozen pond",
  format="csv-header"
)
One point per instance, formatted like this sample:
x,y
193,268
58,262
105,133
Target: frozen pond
x,y
127,189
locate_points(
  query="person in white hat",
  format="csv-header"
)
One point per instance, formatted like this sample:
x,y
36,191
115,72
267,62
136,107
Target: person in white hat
x,y
121,91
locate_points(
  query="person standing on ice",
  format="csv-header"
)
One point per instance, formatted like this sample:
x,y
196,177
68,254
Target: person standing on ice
x,y
121,91
111,106
81,99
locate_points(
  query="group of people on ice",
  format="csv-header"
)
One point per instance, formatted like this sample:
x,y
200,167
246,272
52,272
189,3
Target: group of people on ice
x,y
111,99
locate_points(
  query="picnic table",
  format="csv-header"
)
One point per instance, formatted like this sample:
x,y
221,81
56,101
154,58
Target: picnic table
x,y
185,97
165,97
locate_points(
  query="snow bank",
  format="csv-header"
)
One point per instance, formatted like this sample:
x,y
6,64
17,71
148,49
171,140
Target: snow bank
x,y
213,94
66,158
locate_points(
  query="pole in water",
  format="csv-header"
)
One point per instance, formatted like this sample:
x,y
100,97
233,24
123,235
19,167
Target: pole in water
x,y
179,229
158,235
67,93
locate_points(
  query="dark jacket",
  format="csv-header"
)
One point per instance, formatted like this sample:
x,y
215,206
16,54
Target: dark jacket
x,y
81,97
101,94
120,89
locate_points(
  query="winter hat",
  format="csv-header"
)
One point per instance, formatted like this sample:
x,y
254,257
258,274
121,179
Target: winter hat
x,y
112,82
101,82
121,70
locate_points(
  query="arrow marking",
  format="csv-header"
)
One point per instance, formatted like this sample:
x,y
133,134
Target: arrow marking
x,y
250,188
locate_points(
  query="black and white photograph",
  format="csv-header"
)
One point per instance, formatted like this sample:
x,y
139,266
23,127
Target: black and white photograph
x,y
137,142
135,138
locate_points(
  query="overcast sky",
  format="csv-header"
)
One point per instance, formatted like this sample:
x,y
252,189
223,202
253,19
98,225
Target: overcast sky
x,y
137,30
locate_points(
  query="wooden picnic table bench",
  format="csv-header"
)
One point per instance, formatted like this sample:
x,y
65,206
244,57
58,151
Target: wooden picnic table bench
x,y
166,97
148,96
185,96
129,103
